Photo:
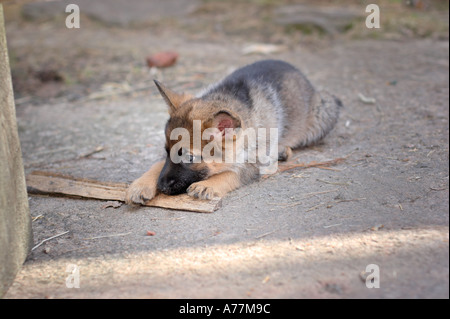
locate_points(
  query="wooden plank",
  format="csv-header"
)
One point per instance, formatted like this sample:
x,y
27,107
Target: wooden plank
x,y
56,184
50,183
186,202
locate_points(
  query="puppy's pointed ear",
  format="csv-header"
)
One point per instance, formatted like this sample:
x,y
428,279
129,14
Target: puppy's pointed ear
x,y
173,100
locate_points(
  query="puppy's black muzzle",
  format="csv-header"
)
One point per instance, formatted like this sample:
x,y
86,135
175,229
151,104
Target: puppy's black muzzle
x,y
176,178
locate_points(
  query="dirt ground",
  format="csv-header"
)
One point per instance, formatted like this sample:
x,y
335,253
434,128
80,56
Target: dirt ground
x,y
86,106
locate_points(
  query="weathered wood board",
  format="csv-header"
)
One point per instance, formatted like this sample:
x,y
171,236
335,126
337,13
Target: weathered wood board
x,y
56,184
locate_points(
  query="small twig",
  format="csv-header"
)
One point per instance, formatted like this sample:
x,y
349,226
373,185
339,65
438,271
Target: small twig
x,y
266,234
314,207
320,193
242,196
286,204
97,150
438,189
107,236
328,168
169,218
301,175
307,195
332,183
329,226
366,100
45,240
36,217
57,150
286,167
335,202
349,200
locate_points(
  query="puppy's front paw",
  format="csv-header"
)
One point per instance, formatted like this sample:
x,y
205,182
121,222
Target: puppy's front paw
x,y
139,193
201,191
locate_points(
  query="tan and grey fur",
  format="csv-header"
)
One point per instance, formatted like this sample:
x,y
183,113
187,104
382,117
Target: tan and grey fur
x,y
266,94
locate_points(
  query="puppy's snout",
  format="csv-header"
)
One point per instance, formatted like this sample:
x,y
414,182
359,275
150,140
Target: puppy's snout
x,y
176,178
169,182
165,184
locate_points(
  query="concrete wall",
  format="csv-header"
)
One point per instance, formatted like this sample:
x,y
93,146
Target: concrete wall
x,y
15,222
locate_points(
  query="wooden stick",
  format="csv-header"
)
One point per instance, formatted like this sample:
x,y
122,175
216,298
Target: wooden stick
x,y
39,182
323,165
285,167
47,239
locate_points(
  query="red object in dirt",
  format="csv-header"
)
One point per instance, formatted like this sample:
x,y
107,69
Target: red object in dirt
x,y
162,59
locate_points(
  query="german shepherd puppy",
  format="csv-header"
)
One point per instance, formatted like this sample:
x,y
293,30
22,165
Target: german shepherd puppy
x,y
264,95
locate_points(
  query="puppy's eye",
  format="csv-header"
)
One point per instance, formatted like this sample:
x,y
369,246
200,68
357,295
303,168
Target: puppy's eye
x,y
190,158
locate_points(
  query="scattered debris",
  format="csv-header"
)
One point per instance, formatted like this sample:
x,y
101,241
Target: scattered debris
x,y
266,234
366,100
98,149
266,279
329,226
162,59
330,204
170,218
35,218
285,205
315,207
333,183
393,82
47,239
307,195
262,48
328,168
108,236
300,175
350,200
438,189
323,165
112,203
150,233
377,227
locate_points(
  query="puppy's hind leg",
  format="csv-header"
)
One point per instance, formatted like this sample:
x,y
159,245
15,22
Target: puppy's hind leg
x,y
284,153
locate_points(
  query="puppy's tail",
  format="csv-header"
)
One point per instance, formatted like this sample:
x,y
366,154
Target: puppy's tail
x,y
325,109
